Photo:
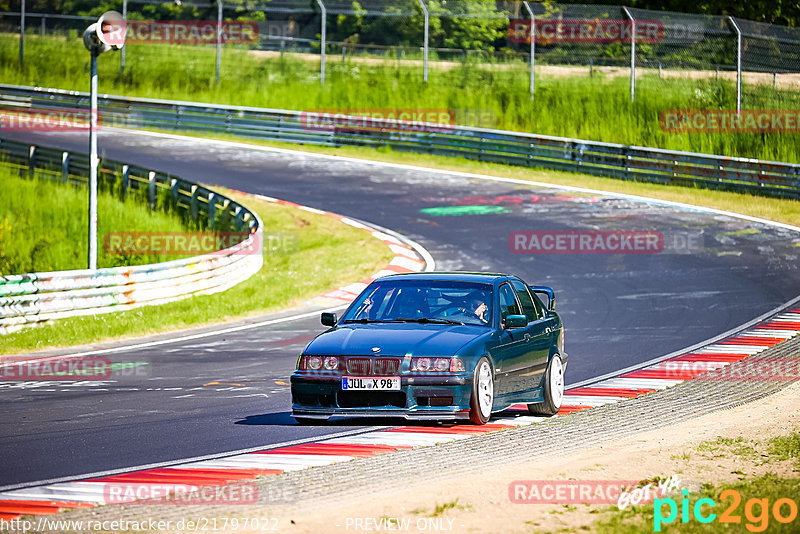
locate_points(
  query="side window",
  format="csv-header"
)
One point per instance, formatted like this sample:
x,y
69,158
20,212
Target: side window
x,y
508,304
529,307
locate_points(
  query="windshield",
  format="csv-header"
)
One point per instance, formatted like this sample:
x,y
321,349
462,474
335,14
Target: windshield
x,y
424,301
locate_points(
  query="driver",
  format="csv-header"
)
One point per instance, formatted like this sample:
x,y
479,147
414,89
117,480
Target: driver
x,y
477,307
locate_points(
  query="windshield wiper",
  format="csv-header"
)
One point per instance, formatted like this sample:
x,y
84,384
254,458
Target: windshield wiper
x,y
367,321
425,320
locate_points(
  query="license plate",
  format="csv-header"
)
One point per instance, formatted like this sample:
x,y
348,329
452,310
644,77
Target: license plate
x,y
384,383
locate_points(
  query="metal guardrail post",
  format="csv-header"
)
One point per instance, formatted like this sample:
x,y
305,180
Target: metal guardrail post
x,y
43,25
738,65
31,161
533,44
173,186
193,204
126,180
151,189
633,52
219,36
425,44
322,41
212,210
65,167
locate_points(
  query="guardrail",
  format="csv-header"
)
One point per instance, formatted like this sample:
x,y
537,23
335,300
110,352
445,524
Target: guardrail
x,y
770,178
33,298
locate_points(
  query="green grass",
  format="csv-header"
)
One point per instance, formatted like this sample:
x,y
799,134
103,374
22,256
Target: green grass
x,y
595,108
786,448
328,254
43,225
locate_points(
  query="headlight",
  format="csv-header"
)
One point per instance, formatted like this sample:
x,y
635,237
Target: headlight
x,y
314,363
437,365
318,363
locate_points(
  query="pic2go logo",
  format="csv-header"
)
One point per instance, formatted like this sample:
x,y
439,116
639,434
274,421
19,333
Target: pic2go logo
x,y
756,511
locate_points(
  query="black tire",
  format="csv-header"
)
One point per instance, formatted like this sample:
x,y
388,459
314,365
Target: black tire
x,y
553,389
482,398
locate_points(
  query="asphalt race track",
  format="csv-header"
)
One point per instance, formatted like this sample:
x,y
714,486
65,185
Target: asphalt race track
x,y
230,392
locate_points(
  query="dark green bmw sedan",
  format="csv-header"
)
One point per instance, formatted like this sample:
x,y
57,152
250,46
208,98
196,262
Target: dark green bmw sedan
x,y
435,346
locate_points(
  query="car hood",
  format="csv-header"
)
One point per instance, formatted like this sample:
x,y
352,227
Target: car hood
x,y
395,340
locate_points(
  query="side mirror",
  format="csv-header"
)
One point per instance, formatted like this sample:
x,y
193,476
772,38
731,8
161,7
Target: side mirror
x,y
551,295
516,321
328,319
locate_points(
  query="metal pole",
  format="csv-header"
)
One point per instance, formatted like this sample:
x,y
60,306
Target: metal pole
x,y
633,52
322,42
425,44
44,24
93,166
738,65
533,45
219,36
125,21
22,35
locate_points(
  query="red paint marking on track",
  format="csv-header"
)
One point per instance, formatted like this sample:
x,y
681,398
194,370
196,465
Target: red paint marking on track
x,y
566,410
610,392
666,374
709,357
484,429
768,341
783,325
343,449
8,517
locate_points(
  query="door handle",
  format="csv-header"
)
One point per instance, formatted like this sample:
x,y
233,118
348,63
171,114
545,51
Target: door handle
x,y
548,330
527,336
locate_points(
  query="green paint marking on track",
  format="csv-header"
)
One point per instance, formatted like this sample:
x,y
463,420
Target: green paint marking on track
x,y
464,210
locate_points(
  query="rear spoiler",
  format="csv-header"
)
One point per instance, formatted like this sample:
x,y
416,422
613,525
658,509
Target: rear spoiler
x,y
551,295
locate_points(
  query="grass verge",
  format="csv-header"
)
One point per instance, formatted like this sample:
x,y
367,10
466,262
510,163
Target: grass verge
x,y
328,254
580,106
43,225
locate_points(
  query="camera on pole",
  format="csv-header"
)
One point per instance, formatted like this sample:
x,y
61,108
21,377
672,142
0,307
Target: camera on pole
x,y
108,33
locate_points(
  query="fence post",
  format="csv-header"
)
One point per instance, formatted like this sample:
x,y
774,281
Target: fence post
x,y
65,166
533,45
425,44
126,179
193,204
125,22
31,161
633,52
44,25
219,36
22,35
322,42
738,65
151,189
212,210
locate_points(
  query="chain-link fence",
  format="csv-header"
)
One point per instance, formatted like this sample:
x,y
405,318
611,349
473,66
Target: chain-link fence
x,y
316,37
